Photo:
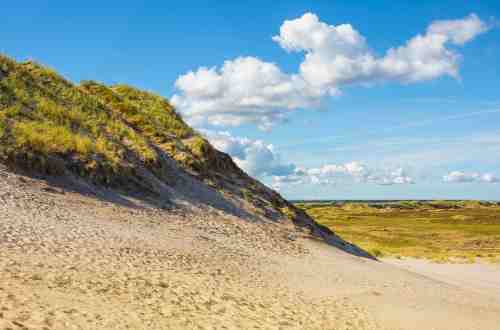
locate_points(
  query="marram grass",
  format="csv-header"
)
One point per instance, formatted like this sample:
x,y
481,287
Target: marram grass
x,y
92,126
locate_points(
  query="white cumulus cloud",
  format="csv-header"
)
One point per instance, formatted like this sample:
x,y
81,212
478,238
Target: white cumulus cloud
x,y
254,156
490,178
464,177
261,160
459,31
249,90
339,55
244,90
355,171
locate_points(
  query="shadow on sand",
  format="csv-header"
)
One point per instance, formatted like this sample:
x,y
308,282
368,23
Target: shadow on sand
x,y
213,198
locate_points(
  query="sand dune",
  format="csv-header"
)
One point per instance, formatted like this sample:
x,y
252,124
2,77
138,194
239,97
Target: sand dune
x,y
69,261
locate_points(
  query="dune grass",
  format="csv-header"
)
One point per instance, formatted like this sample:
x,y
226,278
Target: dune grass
x,y
42,115
440,231
111,135
100,131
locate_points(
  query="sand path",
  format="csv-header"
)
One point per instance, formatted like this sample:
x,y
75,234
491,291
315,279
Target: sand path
x,y
479,277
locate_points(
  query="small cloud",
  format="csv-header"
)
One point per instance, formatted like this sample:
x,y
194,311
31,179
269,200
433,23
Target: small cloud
x,y
259,159
467,177
254,156
356,171
490,178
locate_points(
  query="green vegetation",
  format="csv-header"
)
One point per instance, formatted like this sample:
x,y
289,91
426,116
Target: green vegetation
x,y
43,116
111,135
439,230
97,131
148,113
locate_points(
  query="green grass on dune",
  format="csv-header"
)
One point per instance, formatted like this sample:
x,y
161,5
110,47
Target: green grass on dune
x,y
42,116
435,230
152,115
99,131
112,135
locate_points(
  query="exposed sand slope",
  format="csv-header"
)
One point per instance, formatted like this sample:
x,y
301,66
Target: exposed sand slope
x,y
69,261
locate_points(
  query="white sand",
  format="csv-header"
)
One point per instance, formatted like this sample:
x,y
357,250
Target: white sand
x,y
75,262
479,277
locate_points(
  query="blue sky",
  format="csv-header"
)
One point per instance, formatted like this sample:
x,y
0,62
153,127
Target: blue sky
x,y
374,131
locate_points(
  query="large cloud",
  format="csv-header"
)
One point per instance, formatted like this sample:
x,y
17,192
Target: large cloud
x,y
464,177
244,90
249,90
339,55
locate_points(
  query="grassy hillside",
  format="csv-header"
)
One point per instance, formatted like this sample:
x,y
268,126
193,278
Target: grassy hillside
x,y
116,136
100,131
439,230
94,127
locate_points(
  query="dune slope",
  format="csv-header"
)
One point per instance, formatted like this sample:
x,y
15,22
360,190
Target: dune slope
x,y
70,260
130,141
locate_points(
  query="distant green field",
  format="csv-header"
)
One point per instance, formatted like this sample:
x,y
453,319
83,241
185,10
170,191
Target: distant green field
x,y
438,230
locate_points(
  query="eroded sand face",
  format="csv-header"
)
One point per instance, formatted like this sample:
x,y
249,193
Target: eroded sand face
x,y
74,262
